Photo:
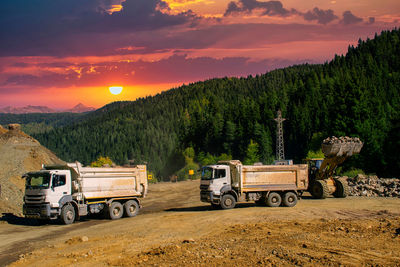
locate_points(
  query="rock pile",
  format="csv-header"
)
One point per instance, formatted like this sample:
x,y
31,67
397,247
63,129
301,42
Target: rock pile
x,y
14,127
372,186
342,139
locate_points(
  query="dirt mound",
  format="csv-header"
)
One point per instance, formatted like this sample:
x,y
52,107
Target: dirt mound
x,y
14,135
2,130
19,153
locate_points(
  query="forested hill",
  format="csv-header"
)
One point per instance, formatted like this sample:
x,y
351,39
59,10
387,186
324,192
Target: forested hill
x,y
356,94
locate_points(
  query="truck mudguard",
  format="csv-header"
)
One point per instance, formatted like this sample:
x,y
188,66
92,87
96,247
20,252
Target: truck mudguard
x,y
228,189
64,200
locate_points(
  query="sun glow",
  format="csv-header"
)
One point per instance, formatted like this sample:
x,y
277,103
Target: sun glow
x,y
115,90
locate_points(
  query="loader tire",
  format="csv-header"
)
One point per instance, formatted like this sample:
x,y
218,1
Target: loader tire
x,y
228,202
115,211
273,200
342,188
289,199
67,214
131,208
320,189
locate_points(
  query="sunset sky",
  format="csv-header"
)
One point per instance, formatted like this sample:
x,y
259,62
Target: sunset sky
x,y
59,53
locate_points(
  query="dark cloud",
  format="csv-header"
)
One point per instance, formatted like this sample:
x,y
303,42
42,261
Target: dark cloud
x,y
58,27
371,20
275,8
320,15
271,8
349,18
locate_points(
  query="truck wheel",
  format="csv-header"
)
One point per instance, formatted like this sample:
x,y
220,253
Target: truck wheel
x,y
131,208
228,202
115,211
319,189
67,214
289,199
274,200
342,188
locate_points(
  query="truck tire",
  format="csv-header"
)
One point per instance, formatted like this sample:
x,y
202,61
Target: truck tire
x,y
131,208
228,202
115,211
320,189
342,188
289,199
273,200
67,214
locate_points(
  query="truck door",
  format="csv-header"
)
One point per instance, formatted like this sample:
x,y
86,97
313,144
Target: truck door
x,y
59,187
221,178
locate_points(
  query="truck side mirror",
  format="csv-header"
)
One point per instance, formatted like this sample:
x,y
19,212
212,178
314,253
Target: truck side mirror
x,y
53,182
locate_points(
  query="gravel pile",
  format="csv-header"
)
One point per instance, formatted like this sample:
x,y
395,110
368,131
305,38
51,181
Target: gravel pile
x,y
372,186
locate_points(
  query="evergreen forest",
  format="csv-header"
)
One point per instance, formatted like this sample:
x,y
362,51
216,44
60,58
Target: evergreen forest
x,y
357,94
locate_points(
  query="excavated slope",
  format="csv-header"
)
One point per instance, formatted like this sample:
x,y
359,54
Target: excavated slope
x,y
19,153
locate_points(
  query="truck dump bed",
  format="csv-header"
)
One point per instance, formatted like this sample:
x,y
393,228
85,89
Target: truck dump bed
x,y
269,177
275,177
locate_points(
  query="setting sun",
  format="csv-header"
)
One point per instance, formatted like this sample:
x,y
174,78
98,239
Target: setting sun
x,y
115,90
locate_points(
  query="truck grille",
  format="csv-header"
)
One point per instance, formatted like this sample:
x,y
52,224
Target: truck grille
x,y
34,198
204,187
32,210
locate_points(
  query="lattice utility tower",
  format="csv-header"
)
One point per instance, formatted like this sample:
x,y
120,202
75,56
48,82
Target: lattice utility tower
x,y
280,149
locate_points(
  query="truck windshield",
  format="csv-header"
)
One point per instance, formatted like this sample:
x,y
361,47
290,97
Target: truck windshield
x,y
38,180
318,164
210,173
206,173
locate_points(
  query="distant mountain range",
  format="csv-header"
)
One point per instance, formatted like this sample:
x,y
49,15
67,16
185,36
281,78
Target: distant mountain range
x,y
80,108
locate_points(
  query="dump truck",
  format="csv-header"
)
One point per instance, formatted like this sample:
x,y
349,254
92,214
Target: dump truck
x,y
69,191
228,182
336,150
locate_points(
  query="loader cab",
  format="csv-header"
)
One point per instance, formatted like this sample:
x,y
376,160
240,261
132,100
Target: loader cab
x,y
314,165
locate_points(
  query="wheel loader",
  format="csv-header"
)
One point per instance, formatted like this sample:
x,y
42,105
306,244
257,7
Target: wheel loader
x,y
321,170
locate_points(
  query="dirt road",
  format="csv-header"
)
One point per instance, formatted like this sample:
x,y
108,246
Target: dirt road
x,y
175,228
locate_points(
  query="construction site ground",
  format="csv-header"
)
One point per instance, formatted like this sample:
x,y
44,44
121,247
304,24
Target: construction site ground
x,y
176,229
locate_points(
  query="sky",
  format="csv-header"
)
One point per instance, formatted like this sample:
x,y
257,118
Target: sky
x,y
59,53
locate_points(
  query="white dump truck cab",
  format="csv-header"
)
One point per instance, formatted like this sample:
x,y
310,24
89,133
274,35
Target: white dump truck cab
x,y
215,182
45,193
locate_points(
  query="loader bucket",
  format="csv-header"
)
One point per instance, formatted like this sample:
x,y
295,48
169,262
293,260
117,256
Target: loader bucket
x,y
342,146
